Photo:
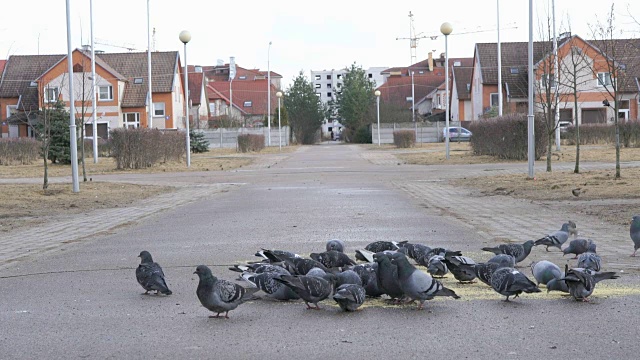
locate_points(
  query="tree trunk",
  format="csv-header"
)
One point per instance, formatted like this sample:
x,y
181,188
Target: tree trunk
x,y
575,122
549,146
617,143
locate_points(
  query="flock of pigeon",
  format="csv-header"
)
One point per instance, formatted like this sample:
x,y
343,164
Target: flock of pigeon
x,y
386,270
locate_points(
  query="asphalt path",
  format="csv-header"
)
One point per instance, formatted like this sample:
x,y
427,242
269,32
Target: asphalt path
x,y
82,300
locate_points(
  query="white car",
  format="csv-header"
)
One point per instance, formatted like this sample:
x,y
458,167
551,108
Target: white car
x,y
456,133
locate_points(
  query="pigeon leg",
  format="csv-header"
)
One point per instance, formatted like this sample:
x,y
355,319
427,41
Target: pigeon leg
x,y
586,300
634,253
214,316
420,305
147,292
226,315
316,308
507,299
575,257
547,248
308,307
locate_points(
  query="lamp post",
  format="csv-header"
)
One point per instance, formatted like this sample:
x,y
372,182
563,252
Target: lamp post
x,y
377,93
446,29
499,62
530,123
269,95
149,91
279,96
185,37
93,88
73,142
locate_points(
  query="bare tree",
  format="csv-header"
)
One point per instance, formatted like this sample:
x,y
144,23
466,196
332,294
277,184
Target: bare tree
x,y
83,95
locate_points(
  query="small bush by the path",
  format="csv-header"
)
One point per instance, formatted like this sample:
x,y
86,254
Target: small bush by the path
x,y
143,148
404,138
19,151
507,137
250,143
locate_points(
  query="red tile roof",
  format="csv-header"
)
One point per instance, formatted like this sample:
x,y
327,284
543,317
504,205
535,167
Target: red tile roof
x,y
195,86
398,88
243,91
2,63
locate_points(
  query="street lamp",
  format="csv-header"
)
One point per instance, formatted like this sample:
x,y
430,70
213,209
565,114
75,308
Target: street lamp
x,y
446,29
279,95
269,95
377,93
73,141
185,37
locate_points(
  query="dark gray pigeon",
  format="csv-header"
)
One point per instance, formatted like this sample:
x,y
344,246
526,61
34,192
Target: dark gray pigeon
x,y
311,289
504,260
415,251
417,284
348,277
511,282
461,267
634,232
518,251
150,276
295,265
265,254
485,270
335,244
273,289
589,260
332,259
349,296
368,273
545,271
440,251
582,282
437,267
380,246
316,272
388,276
557,238
558,285
220,295
579,246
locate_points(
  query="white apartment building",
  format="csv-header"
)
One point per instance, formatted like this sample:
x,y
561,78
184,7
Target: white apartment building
x,y
328,83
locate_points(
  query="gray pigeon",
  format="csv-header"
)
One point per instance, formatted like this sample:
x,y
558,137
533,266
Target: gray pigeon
x,y
504,260
332,259
368,273
415,251
379,246
558,285
349,296
518,251
150,276
461,267
557,238
545,271
273,289
347,277
387,274
335,244
634,232
317,272
589,260
436,251
485,270
265,254
437,267
582,282
511,282
311,289
579,246
417,284
220,295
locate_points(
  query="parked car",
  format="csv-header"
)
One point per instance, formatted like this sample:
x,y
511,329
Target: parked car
x,y
563,125
456,133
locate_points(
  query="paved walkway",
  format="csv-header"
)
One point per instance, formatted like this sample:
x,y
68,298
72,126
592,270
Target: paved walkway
x,y
494,218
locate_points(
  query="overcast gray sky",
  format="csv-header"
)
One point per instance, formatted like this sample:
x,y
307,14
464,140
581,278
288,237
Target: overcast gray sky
x,y
305,35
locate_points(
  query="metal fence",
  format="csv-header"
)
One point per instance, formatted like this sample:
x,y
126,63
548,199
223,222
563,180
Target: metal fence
x,y
228,137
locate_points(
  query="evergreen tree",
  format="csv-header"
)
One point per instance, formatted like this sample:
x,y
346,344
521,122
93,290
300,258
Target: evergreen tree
x,y
305,111
55,126
355,102
198,142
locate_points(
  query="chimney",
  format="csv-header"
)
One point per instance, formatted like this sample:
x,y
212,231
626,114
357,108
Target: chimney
x,y
430,61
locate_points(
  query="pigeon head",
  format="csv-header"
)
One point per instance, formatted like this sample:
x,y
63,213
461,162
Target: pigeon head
x,y
528,244
332,278
635,222
315,256
203,271
145,257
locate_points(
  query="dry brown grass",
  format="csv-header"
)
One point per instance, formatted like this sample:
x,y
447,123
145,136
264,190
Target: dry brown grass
x,y
28,205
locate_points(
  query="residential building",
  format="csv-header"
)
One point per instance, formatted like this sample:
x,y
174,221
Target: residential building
x,y
461,77
328,83
30,82
199,103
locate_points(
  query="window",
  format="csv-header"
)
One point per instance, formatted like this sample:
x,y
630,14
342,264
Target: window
x,y
242,77
212,108
339,76
468,87
408,98
131,120
51,94
318,86
11,109
137,81
514,70
370,76
105,92
548,81
158,109
329,94
328,77
328,86
318,77
33,84
248,104
494,99
318,94
339,85
604,79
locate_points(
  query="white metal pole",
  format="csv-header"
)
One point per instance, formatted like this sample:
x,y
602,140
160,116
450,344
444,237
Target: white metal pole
x,y
186,105
499,64
378,111
93,87
150,90
413,99
72,109
231,103
556,76
446,81
279,127
269,95
530,116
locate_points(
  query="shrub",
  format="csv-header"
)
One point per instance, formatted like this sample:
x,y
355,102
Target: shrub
x,y
404,138
506,137
104,148
19,151
362,135
250,142
198,142
143,148
592,134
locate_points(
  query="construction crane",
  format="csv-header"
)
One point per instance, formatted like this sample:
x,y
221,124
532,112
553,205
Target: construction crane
x,y
128,46
413,37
